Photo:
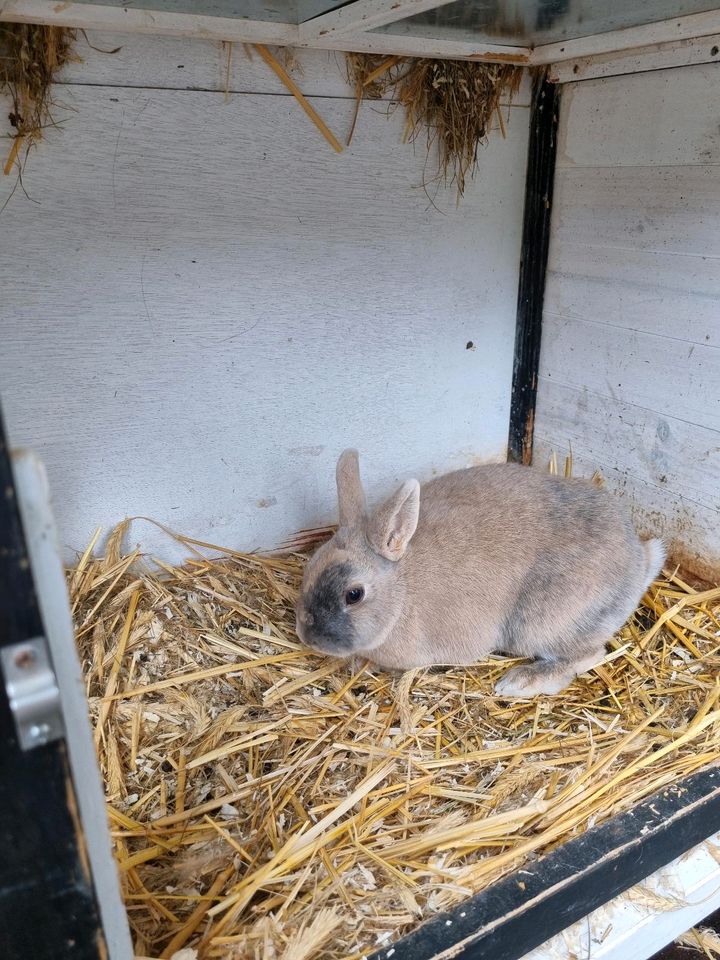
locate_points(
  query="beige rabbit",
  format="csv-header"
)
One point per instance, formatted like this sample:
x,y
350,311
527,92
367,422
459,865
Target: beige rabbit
x,y
498,558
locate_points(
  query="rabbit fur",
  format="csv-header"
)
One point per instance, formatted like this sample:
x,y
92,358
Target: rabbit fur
x,y
496,558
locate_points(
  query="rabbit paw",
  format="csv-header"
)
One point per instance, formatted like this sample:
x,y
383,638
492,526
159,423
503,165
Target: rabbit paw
x,y
532,679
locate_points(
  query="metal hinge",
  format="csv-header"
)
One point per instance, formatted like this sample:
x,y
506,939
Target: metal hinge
x,y
32,689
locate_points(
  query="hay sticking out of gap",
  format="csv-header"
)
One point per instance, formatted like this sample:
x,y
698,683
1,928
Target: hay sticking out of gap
x,y
267,802
30,57
703,941
454,101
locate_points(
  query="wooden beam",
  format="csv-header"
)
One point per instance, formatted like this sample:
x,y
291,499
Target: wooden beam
x,y
94,16
33,499
663,31
539,180
659,56
406,45
363,15
48,903
91,16
348,29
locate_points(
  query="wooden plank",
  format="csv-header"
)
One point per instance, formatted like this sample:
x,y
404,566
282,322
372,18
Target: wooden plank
x,y
411,45
96,16
661,31
517,914
644,304
654,269
632,927
679,458
91,16
645,119
184,63
33,498
47,900
362,15
533,261
659,56
359,17
208,274
672,209
657,373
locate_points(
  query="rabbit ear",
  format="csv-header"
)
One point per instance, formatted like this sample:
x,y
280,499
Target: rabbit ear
x,y
351,498
393,524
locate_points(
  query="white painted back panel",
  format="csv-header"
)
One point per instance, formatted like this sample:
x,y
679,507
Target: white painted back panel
x,y
202,305
630,364
142,60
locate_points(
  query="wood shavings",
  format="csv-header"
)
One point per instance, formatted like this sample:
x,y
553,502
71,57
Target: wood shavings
x,y
265,801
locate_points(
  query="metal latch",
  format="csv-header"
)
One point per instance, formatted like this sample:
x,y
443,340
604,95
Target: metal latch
x,y
33,692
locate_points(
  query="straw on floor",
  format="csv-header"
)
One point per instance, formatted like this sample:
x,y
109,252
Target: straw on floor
x,y
266,802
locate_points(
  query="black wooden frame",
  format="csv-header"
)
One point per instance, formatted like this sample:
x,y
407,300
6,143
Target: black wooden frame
x,y
539,180
526,909
48,907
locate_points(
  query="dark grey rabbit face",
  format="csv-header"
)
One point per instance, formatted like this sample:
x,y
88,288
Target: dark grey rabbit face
x,y
341,610
351,597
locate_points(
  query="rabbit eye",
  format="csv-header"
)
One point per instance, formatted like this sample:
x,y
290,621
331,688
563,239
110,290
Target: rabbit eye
x,y
354,596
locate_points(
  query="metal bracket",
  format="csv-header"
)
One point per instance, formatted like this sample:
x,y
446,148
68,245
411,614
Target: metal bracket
x,y
32,689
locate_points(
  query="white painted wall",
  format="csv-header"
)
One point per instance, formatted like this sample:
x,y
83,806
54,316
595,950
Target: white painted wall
x,y
202,304
630,363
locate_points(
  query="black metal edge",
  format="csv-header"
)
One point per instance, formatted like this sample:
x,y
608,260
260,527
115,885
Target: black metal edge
x,y
527,908
48,906
539,179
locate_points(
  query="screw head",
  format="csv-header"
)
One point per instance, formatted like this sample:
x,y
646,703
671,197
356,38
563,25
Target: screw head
x,y
40,732
25,658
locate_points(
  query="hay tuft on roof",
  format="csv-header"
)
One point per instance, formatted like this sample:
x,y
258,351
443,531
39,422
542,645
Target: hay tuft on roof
x,y
30,57
454,102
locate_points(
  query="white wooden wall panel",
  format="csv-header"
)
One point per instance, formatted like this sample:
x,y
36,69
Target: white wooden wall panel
x,y
663,118
671,210
182,63
586,286
658,448
630,364
665,375
202,305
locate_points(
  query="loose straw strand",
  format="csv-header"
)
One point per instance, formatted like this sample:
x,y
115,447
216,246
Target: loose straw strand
x,y
283,75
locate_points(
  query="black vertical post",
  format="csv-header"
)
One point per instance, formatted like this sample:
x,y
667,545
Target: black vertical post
x,y
48,909
533,262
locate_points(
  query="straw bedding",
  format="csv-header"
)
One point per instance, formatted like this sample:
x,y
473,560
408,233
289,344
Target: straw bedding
x,y
266,802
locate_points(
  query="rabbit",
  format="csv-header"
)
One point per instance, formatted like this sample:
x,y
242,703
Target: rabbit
x,y
496,558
